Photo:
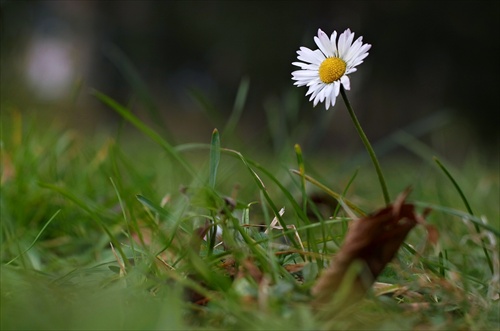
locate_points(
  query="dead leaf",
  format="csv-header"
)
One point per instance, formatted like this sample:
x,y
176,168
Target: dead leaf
x,y
373,240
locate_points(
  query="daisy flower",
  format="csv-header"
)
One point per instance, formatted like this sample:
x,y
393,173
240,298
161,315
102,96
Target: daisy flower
x,y
324,69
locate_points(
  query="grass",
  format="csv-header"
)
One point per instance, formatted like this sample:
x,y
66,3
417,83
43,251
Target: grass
x,y
120,231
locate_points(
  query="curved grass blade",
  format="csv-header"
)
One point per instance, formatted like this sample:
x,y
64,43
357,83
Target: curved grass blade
x,y
263,189
131,75
214,158
94,213
214,165
239,103
126,114
155,208
209,109
36,238
469,209
458,213
249,162
122,207
333,194
302,170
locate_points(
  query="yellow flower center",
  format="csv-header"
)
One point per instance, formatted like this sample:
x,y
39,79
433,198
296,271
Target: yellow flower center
x,y
331,69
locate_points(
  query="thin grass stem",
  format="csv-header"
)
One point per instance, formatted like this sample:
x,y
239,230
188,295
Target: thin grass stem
x,y
469,209
36,238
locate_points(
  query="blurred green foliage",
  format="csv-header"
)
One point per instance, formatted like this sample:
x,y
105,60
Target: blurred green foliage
x,y
426,58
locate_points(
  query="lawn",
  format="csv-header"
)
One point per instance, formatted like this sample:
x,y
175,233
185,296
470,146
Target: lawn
x,y
126,230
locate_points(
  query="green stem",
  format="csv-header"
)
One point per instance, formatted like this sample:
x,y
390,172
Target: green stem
x,y
368,146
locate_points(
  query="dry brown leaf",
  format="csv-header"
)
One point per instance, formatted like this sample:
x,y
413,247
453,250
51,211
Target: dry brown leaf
x,y
373,240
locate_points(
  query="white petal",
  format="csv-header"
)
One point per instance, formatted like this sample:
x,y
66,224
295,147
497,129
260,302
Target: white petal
x,y
318,88
333,101
315,81
318,95
312,89
304,73
310,56
315,101
336,89
322,94
335,93
306,66
303,81
353,51
350,70
345,41
333,42
362,53
324,43
329,94
346,82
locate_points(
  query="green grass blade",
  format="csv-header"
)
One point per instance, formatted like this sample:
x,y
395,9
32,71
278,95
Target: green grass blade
x,y
469,209
36,238
95,213
212,177
455,184
302,171
333,194
210,110
297,208
125,218
310,235
239,104
214,158
344,192
131,75
460,214
157,209
126,114
263,189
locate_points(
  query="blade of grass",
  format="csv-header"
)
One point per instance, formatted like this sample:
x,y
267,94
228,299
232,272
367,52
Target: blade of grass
x,y
263,189
460,214
436,267
333,194
122,207
344,192
214,158
297,208
213,167
156,208
94,213
239,104
210,110
173,224
302,170
131,75
126,114
265,258
469,209
36,238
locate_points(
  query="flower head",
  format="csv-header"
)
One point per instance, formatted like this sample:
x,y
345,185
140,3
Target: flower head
x,y
324,69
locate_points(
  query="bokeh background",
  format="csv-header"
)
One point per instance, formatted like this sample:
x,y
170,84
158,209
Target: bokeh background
x,y
433,70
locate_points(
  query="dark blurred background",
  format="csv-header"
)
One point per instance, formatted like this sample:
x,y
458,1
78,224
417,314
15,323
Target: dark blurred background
x,y
433,66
